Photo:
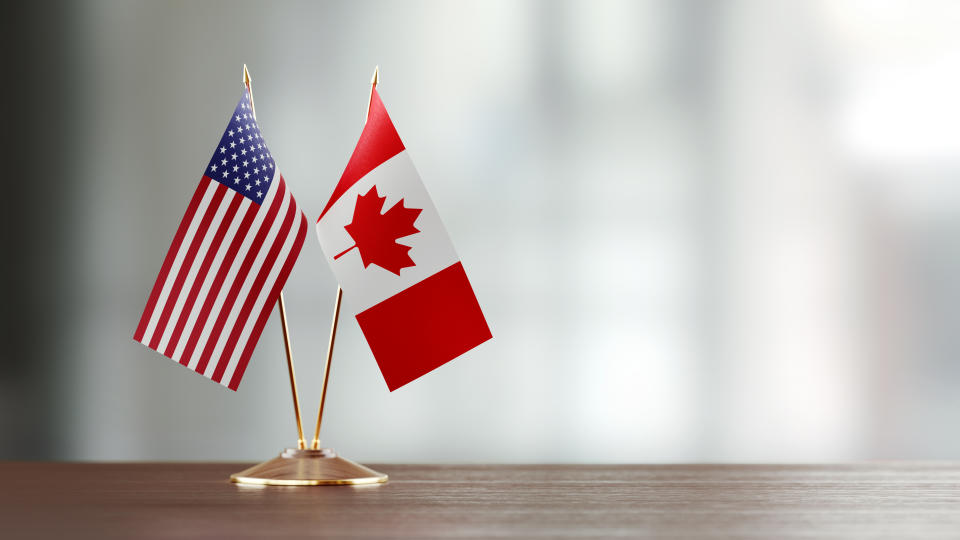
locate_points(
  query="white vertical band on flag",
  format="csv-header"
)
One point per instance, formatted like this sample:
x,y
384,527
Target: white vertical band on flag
x,y
431,248
205,335
232,318
192,273
177,262
258,306
218,262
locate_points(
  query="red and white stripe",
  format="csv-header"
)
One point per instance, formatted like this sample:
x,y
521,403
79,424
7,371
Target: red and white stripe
x,y
221,278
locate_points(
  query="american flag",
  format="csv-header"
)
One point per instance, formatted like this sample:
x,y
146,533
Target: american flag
x,y
229,259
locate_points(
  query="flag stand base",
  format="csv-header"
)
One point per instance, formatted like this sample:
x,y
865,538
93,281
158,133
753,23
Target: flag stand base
x,y
308,468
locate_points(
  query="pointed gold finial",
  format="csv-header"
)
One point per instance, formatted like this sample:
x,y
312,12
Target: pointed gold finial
x,y
373,84
246,82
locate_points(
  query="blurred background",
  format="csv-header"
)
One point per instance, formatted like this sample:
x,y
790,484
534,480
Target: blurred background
x,y
700,231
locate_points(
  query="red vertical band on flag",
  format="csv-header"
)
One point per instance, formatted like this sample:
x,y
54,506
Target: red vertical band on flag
x,y
424,326
378,143
168,260
211,210
268,306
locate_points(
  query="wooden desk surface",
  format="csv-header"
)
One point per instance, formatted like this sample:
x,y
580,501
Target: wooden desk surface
x,y
169,500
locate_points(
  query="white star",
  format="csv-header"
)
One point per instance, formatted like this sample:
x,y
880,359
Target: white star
x,y
251,148
223,161
245,163
236,168
248,187
265,179
238,118
243,151
240,128
225,174
254,159
256,169
230,133
257,182
236,180
259,194
222,150
233,156
213,168
233,144
246,175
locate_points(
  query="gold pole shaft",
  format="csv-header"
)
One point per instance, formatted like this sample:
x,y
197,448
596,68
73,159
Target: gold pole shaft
x,y
293,377
283,310
315,444
373,84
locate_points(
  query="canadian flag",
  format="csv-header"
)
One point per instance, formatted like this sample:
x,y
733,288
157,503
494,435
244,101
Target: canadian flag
x,y
400,275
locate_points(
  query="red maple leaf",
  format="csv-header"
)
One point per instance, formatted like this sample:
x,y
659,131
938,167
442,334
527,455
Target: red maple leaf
x,y
375,234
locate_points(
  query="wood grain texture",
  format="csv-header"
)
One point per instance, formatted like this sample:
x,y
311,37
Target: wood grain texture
x,y
131,500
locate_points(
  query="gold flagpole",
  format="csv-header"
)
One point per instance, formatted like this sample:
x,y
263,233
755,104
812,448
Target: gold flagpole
x,y
283,311
315,444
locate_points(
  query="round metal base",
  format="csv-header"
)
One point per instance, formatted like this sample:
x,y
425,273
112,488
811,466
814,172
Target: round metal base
x,y
308,468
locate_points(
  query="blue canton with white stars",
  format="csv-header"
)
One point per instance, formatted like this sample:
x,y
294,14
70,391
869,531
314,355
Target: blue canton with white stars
x,y
242,161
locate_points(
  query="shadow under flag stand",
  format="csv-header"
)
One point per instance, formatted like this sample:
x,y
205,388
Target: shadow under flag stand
x,y
314,466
